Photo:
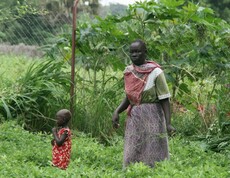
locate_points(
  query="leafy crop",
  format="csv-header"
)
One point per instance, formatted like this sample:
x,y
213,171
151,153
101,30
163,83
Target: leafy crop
x,y
24,154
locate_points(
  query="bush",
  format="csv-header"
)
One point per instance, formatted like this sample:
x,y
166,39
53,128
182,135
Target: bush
x,y
37,95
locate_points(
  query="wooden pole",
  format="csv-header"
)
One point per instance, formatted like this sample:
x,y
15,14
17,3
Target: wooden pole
x,y
72,86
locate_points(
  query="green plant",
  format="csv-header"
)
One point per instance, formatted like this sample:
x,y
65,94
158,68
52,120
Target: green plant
x,y
37,95
31,154
94,108
218,137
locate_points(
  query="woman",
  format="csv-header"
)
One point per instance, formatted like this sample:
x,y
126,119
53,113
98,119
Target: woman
x,y
147,102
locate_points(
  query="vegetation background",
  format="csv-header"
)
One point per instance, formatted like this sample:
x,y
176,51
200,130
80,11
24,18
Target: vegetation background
x,y
191,41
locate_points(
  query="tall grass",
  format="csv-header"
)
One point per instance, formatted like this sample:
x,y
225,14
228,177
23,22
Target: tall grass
x,y
95,104
37,94
11,68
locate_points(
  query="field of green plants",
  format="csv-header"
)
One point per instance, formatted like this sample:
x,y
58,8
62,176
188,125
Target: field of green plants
x,y
25,154
187,40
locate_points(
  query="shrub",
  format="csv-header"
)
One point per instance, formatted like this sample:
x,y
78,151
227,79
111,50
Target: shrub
x,y
37,95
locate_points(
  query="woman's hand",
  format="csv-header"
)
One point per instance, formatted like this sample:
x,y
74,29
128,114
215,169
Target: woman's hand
x,y
115,120
123,106
171,130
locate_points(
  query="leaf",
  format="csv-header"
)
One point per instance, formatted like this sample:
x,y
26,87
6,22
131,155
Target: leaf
x,y
204,146
205,10
172,3
6,109
184,87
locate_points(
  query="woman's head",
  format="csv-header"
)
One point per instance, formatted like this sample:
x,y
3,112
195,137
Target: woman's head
x,y
138,52
63,116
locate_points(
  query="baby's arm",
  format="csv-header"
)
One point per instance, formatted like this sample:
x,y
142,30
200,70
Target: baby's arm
x,y
60,140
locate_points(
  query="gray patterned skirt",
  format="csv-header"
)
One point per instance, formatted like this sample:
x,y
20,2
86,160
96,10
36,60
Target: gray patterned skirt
x,y
145,135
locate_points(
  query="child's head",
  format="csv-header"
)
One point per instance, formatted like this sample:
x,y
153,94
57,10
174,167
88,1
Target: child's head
x,y
63,117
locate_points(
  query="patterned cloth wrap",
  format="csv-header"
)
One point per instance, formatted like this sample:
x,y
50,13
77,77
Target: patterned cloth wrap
x,y
61,154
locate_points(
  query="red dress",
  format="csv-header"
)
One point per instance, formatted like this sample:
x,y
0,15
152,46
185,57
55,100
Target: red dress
x,y
61,154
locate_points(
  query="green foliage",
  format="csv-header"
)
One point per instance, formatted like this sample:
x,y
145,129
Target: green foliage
x,y
188,56
29,23
97,62
200,53
37,94
188,41
31,154
188,123
223,109
8,64
218,137
222,8
95,103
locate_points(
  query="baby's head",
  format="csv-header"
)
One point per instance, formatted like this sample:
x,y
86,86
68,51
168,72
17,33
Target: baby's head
x,y
63,117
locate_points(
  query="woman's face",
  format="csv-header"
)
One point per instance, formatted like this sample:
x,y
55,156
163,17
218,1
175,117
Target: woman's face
x,y
137,53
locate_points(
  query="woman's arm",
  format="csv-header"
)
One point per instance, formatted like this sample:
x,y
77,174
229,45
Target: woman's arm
x,y
166,108
123,106
60,140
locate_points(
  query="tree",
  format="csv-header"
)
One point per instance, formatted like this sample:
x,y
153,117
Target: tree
x,y
222,7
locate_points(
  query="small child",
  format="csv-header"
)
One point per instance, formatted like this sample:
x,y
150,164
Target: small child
x,y
62,140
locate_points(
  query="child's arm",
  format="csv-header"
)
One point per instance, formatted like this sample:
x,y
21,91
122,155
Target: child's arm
x,y
60,140
52,142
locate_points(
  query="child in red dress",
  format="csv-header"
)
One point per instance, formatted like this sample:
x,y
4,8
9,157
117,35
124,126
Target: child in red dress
x,y
62,140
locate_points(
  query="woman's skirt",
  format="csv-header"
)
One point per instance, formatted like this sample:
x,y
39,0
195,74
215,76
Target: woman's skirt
x,y
145,135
